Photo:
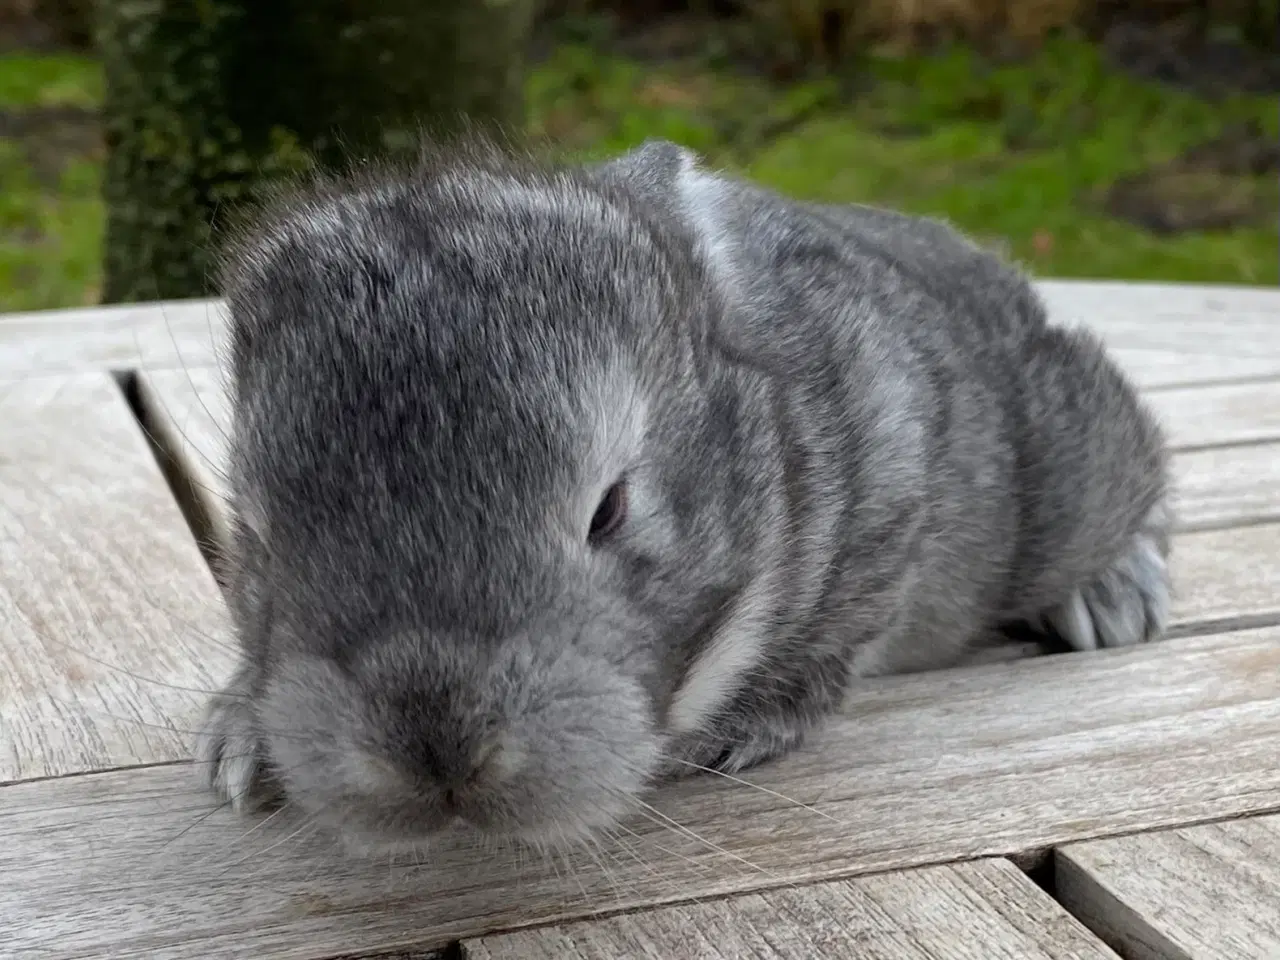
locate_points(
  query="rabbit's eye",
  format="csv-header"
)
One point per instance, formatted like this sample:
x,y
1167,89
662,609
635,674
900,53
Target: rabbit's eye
x,y
611,513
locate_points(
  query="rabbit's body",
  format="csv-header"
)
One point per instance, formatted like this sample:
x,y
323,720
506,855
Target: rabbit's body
x,y
943,462
847,443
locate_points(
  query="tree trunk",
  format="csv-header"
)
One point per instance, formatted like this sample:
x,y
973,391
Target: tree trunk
x,y
69,21
206,100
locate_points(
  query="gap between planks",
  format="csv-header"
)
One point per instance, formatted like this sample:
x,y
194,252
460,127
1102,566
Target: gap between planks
x,y
1204,892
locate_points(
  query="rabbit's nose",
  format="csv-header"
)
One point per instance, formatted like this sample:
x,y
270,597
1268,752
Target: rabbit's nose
x,y
459,768
488,763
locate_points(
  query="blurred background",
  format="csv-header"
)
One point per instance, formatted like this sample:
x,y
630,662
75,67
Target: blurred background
x,y
1087,138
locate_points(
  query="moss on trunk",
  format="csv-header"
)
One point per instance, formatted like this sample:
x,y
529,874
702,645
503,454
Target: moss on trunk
x,y
207,99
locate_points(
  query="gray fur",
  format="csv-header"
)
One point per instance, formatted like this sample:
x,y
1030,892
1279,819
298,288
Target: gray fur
x,y
854,445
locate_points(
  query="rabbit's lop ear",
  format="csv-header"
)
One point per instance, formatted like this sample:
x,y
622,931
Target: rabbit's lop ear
x,y
650,170
672,179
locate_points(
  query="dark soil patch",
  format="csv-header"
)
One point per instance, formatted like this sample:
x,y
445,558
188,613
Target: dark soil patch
x,y
1227,182
1175,200
52,136
1240,151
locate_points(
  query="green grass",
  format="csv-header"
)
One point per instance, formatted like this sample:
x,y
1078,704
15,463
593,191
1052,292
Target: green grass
x,y
45,80
1016,154
51,215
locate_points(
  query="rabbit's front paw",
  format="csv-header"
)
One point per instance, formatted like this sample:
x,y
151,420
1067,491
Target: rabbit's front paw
x,y
733,752
230,748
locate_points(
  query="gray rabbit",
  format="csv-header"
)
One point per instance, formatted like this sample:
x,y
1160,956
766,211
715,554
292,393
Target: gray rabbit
x,y
549,482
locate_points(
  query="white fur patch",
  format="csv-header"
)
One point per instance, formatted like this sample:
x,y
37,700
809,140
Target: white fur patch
x,y
702,194
718,672
737,648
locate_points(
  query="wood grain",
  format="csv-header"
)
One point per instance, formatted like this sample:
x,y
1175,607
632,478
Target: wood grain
x,y
110,624
981,910
1224,486
1220,414
1226,575
923,770
145,336
112,631
1210,892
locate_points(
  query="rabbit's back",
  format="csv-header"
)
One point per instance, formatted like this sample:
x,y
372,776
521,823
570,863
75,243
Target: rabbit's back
x,y
986,462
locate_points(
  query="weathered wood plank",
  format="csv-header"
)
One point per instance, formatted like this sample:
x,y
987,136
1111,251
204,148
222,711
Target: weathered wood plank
x,y
145,336
981,910
110,624
992,761
1226,486
1220,414
1225,575
1176,334
1164,334
1210,892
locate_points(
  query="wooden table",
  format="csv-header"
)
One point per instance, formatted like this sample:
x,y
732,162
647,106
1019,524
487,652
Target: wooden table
x,y
1081,806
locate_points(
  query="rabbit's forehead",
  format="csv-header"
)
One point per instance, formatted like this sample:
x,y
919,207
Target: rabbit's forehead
x,y
553,198
533,436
